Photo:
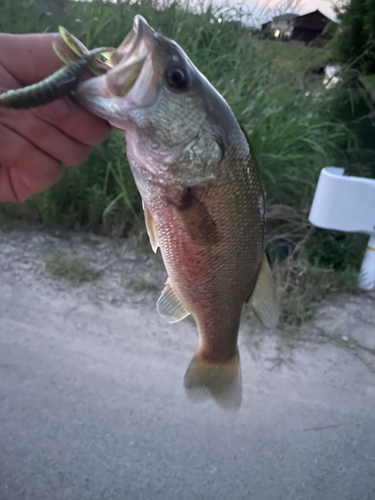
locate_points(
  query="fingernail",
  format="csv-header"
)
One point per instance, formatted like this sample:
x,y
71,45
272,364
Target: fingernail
x,y
55,111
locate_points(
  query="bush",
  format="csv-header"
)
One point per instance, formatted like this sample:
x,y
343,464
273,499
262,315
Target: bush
x,y
355,40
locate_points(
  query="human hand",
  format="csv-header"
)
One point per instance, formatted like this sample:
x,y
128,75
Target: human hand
x,y
36,144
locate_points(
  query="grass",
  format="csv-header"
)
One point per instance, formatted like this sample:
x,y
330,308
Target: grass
x,y
71,269
5,221
296,128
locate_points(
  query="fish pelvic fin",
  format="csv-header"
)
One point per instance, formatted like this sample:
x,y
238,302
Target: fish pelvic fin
x,y
220,381
263,300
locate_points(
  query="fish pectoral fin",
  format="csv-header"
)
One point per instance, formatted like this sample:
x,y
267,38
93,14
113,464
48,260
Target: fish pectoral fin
x,y
197,221
263,300
150,227
220,381
169,306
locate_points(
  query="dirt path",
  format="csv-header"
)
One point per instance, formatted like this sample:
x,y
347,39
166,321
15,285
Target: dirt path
x,y
91,397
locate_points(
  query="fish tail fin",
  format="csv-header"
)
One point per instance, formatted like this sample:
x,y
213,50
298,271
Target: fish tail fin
x,y
220,381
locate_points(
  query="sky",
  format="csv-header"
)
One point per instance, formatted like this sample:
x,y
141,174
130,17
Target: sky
x,y
264,10
305,6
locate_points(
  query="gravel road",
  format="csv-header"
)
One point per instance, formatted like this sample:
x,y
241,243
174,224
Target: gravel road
x,y
92,404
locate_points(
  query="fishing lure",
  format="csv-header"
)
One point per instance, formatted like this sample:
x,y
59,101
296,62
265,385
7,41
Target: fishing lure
x,y
64,81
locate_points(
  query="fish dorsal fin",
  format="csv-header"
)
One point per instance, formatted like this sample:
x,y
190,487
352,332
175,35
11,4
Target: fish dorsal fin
x,y
169,306
151,231
263,300
197,221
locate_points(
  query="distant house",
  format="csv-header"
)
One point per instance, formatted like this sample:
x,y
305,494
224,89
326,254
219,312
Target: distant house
x,y
301,30
280,26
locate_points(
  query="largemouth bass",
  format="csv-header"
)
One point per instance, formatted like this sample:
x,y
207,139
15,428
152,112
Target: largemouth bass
x,y
202,196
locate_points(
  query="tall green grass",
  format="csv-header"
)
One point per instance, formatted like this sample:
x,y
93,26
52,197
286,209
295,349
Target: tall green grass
x,y
292,123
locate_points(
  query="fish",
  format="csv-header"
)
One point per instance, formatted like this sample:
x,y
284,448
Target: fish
x,y
65,81
203,199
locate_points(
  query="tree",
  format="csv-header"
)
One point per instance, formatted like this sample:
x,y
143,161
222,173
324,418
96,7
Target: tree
x,y
355,40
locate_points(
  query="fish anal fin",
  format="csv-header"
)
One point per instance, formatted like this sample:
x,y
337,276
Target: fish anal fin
x,y
150,227
220,381
197,221
169,306
263,299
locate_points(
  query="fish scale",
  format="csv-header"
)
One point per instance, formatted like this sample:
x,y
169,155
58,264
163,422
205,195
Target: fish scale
x,y
210,278
202,196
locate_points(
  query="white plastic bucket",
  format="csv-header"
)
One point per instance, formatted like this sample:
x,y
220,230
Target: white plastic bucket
x,y
346,203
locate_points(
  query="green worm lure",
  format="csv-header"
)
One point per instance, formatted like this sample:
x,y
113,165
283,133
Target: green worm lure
x,y
64,81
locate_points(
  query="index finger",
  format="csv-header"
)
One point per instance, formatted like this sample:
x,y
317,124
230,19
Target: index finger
x,y
30,58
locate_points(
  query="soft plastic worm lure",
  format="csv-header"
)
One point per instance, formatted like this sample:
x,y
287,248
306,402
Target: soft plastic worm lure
x,y
64,81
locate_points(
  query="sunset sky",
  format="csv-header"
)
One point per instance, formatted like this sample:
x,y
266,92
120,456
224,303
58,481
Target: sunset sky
x,y
266,8
323,5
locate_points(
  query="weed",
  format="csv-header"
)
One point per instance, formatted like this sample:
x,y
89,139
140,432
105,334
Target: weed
x,y
71,269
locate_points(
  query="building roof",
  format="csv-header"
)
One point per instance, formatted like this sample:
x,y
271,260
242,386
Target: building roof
x,y
315,21
314,16
285,17
315,13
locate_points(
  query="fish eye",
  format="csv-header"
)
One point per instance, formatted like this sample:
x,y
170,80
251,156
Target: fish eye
x,y
177,77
